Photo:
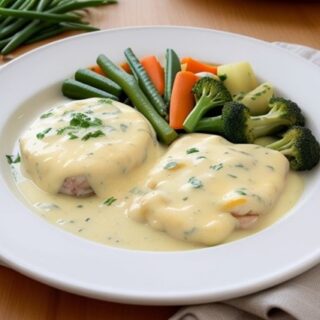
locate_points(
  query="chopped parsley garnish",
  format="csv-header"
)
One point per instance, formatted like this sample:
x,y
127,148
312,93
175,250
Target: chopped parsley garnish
x,y
46,115
105,100
192,150
196,183
110,201
12,160
241,192
170,165
232,176
81,120
42,134
123,127
72,136
270,167
94,134
62,130
217,167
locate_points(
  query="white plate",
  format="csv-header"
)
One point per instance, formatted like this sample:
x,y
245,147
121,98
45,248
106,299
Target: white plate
x,y
48,254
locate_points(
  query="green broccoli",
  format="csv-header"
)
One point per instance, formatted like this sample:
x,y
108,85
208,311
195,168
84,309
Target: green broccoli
x,y
209,93
300,147
238,126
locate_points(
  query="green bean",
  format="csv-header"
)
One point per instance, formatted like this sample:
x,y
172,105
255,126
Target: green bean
x,y
31,14
20,4
5,3
21,37
18,24
4,42
53,12
173,66
98,81
47,33
12,28
146,84
43,4
76,90
78,26
131,87
79,4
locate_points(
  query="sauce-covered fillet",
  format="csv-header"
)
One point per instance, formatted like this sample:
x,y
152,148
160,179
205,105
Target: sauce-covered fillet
x,y
204,187
86,147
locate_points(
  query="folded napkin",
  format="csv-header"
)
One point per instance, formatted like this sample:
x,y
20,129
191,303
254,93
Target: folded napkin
x,y
296,299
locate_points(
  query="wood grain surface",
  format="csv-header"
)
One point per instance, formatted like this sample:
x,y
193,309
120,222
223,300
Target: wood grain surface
x,y
290,21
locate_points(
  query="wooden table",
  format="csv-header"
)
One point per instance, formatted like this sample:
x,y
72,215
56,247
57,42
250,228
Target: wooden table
x,y
291,21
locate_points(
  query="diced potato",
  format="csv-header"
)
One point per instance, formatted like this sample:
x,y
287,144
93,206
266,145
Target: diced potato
x,y
184,66
238,77
257,100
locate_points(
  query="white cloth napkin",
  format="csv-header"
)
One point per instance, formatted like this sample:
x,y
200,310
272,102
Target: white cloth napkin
x,y
296,299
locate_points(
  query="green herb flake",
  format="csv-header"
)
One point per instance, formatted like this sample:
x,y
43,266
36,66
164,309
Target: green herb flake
x,y
217,167
232,176
241,192
192,150
94,134
72,136
185,198
123,127
196,183
12,160
42,134
110,201
105,100
46,115
270,167
81,120
170,165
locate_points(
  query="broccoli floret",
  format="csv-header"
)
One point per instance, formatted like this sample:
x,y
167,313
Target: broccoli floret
x,y
209,93
240,127
300,147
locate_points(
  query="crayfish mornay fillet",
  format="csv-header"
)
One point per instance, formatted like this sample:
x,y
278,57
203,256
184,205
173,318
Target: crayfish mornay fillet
x,y
86,147
205,187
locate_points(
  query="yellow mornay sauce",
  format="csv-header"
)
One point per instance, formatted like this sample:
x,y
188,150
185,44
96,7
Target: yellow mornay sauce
x,y
203,181
52,149
110,223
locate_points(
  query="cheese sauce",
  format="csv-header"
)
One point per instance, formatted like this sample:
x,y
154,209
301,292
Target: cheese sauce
x,y
99,139
147,197
204,187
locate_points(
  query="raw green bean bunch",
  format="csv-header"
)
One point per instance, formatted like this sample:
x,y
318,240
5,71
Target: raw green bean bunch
x,y
28,21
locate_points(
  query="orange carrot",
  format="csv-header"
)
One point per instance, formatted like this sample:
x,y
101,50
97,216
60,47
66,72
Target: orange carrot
x,y
155,72
97,69
182,100
125,66
197,66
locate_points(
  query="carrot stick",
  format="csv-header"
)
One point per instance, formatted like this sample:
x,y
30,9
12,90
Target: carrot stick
x,y
155,72
182,100
97,69
125,66
197,66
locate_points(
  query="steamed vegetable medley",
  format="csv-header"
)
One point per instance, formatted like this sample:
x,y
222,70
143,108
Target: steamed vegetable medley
x,y
186,95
